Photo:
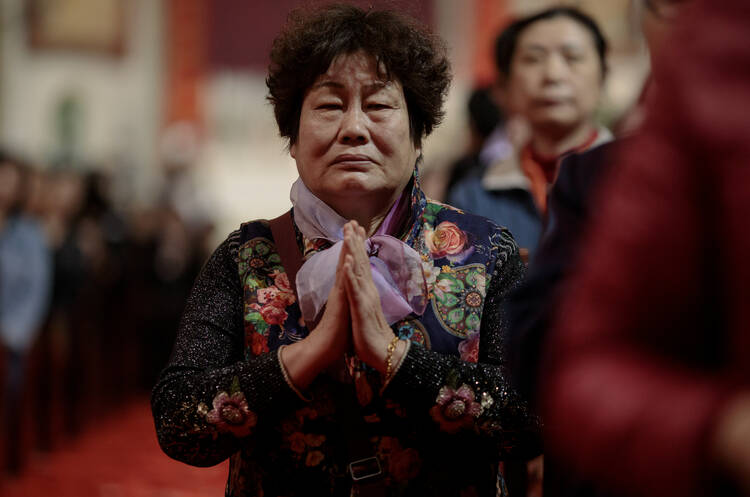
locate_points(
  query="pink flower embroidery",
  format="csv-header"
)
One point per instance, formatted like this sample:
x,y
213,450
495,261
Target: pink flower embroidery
x,y
273,314
281,280
297,442
455,409
275,296
447,239
431,273
231,414
268,295
314,440
314,458
469,348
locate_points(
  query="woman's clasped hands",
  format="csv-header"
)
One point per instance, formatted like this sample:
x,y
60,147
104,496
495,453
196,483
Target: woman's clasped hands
x,y
352,320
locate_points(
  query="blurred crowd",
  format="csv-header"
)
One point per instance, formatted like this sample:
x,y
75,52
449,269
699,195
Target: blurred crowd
x,y
90,298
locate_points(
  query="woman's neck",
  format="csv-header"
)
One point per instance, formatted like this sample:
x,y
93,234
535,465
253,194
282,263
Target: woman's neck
x,y
368,212
552,143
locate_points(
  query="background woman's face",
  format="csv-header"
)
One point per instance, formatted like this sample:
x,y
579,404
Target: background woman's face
x,y
353,134
555,75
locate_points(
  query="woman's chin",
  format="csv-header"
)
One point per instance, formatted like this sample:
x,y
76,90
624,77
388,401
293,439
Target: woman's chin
x,y
356,183
559,122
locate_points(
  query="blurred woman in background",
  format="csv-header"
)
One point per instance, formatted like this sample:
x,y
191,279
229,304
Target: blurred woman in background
x,y
552,66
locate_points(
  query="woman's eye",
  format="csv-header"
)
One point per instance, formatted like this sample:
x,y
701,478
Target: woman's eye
x,y
328,106
531,59
378,106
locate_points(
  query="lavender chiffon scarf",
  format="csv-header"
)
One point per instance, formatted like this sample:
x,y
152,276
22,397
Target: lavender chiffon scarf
x,y
396,267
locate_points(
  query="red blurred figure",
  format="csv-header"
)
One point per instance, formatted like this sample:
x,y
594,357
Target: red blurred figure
x,y
648,388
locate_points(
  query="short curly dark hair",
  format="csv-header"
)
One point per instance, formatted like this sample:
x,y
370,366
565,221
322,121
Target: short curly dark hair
x,y
406,51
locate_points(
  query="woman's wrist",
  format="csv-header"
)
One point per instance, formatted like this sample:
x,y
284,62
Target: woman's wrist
x,y
387,349
400,352
304,360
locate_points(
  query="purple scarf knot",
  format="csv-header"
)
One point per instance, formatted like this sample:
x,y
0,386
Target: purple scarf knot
x,y
396,267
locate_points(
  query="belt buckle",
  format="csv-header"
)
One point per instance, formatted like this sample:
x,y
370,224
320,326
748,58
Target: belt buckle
x,y
363,469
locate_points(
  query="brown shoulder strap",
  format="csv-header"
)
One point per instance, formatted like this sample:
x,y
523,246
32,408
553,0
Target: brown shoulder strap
x,y
282,229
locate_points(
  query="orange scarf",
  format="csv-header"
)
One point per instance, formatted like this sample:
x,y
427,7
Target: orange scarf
x,y
542,171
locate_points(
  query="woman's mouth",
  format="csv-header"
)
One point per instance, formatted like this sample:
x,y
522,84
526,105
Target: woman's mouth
x,y
356,161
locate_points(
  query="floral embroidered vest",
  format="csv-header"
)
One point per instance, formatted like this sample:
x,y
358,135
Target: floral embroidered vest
x,y
458,255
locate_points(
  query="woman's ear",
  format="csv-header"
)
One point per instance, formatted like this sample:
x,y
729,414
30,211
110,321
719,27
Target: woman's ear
x,y
293,150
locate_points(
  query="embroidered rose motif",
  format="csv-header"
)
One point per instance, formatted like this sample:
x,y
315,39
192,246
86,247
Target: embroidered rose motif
x,y
447,239
281,280
314,440
306,413
230,413
404,464
268,295
273,314
469,348
455,408
259,345
297,442
314,458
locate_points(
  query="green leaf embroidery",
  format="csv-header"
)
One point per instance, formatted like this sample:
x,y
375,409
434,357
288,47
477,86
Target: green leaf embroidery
x,y
455,316
449,300
235,386
262,249
253,316
274,258
452,379
473,321
471,277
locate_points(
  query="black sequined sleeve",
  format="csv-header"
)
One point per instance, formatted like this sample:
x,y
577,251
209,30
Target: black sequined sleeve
x,y
195,423
504,416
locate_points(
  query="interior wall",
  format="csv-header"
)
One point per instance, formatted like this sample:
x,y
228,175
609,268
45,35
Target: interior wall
x,y
118,98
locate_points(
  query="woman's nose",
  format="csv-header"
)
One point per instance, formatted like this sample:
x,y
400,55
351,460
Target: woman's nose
x,y
555,68
353,127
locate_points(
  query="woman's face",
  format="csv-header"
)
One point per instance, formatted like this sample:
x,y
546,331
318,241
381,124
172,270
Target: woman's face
x,y
354,137
555,75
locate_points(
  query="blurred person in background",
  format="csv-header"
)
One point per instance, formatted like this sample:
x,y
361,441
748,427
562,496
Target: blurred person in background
x,y
341,380
181,192
487,141
532,305
552,67
25,283
646,380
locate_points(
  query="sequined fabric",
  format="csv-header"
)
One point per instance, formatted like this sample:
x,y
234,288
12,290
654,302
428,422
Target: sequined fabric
x,y
439,427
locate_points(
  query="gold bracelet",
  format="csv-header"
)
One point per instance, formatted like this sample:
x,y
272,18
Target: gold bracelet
x,y
287,378
389,357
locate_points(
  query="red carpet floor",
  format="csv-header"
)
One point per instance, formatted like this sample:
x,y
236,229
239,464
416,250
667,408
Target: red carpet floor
x,y
119,457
